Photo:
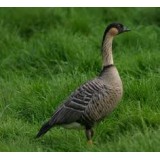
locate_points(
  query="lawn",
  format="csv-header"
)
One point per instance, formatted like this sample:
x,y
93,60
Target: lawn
x,y
46,53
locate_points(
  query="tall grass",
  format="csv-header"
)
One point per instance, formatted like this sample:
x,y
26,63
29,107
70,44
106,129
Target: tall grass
x,y
46,53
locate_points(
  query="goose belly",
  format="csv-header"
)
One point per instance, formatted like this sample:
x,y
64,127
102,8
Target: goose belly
x,y
104,105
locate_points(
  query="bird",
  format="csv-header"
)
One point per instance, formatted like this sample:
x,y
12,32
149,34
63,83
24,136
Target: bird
x,y
97,98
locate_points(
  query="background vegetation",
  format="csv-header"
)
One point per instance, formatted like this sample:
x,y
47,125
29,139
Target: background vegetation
x,y
45,53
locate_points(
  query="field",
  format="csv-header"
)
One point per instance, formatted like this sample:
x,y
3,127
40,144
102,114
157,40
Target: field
x,y
46,53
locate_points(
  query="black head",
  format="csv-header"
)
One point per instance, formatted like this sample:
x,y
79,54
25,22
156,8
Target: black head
x,y
115,29
120,27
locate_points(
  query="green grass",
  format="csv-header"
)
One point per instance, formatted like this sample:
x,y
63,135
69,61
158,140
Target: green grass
x,y
46,53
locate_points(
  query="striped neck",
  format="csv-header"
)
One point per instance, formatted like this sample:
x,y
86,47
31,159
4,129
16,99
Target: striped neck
x,y
107,50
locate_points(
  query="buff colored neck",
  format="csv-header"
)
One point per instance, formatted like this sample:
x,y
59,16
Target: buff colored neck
x,y
107,50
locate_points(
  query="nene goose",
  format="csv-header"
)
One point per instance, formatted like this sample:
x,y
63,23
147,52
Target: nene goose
x,y
95,99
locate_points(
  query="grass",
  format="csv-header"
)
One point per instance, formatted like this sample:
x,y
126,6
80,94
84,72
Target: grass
x,y
46,53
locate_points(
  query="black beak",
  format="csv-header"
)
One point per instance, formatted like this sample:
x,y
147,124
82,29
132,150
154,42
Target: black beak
x,y
125,29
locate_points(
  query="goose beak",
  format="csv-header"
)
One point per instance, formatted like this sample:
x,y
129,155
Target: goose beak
x,y
125,29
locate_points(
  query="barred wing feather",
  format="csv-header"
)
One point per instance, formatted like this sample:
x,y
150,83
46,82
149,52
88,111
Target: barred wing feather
x,y
74,107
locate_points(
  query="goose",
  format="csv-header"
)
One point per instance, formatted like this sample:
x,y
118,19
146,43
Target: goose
x,y
95,99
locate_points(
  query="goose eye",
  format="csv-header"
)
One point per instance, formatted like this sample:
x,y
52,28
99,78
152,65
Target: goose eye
x,y
119,26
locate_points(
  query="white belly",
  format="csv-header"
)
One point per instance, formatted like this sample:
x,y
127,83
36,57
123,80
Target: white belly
x,y
74,125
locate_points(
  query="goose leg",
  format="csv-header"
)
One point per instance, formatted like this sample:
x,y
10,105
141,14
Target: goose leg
x,y
89,135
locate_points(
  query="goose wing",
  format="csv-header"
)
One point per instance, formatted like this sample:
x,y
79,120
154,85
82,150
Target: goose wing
x,y
80,106
73,108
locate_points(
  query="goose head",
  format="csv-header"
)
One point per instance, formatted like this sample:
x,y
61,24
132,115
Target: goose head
x,y
115,28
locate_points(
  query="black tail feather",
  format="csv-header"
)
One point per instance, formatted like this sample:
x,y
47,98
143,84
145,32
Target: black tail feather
x,y
43,129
